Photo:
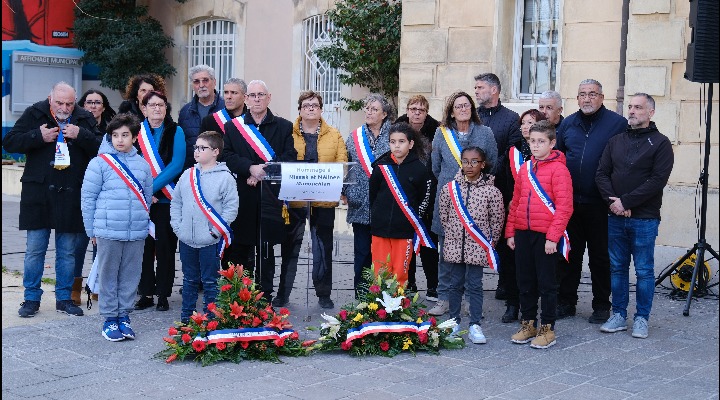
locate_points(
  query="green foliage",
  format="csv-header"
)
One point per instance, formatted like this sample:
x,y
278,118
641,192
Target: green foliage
x,y
122,39
365,44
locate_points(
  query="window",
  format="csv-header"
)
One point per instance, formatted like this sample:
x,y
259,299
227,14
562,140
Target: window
x,y
536,55
213,43
315,74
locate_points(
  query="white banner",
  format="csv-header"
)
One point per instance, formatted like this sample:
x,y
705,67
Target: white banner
x,y
311,182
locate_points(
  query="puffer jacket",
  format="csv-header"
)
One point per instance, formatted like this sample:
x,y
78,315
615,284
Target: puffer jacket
x,y
330,148
110,209
484,203
527,211
188,221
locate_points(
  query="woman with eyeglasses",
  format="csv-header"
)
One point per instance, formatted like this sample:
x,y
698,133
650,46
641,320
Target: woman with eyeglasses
x,y
162,144
97,103
137,87
364,145
460,128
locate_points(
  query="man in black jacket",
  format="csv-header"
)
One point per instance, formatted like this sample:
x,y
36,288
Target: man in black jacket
x,y
634,169
50,197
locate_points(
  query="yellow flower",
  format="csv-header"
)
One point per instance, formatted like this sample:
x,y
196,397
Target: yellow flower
x,y
419,320
407,343
359,317
372,306
401,291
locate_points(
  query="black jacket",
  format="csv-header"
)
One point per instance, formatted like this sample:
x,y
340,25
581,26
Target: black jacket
x,y
386,218
209,123
50,198
635,166
505,124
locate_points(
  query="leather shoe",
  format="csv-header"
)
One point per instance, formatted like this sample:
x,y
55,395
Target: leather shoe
x,y
326,302
144,303
564,311
511,314
501,293
162,304
599,316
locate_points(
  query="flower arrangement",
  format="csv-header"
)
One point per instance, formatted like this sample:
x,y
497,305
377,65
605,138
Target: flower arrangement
x,y
383,321
242,326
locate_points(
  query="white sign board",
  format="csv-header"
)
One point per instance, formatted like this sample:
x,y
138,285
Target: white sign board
x,y
311,182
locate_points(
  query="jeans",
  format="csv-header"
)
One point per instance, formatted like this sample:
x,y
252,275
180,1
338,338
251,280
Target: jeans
x,y
37,245
198,265
632,237
362,240
465,278
80,251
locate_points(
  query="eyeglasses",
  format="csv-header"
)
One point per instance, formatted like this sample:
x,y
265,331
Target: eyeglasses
x,y
155,105
254,96
201,148
202,80
371,110
462,106
310,106
416,110
591,95
474,163
93,103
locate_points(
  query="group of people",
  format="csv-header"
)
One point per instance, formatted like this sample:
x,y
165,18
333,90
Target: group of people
x,y
482,187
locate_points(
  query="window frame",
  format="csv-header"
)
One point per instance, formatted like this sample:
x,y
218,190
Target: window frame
x,y
224,54
318,83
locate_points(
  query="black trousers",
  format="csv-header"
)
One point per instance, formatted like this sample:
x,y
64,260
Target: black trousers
x,y
588,227
535,276
159,281
507,271
430,259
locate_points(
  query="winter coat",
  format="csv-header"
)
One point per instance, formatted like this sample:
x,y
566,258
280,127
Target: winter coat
x,y
358,194
445,166
188,221
189,119
583,148
635,167
505,126
110,209
528,212
330,148
484,203
239,156
50,198
172,151
387,218
507,188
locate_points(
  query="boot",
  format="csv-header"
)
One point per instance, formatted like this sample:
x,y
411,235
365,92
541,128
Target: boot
x,y
76,291
511,314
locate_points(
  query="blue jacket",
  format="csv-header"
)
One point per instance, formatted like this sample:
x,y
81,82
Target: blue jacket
x,y
110,209
583,149
190,121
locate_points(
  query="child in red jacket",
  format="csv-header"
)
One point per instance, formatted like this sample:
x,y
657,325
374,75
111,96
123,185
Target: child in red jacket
x,y
539,212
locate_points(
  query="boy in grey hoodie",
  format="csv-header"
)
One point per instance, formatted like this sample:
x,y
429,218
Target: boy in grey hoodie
x,y
204,204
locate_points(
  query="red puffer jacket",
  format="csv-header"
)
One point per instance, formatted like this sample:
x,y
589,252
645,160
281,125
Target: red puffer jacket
x,y
527,211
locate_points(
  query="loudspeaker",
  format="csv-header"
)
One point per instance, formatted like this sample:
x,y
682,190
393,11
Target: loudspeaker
x,y
703,51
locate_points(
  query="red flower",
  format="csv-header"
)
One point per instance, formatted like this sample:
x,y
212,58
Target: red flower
x,y
294,336
246,281
405,302
171,358
278,323
433,321
343,315
279,342
236,310
198,346
212,325
198,318
244,344
423,337
225,288
263,315
421,313
186,338
384,346
259,296
245,295
172,331
170,340
381,313
346,345
218,313
284,311
211,307
374,289
256,321
228,273
220,345
308,343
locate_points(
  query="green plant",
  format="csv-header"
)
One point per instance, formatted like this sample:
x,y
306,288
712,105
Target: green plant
x,y
365,44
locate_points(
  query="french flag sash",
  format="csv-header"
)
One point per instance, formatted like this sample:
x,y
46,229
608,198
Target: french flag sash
x,y
151,155
516,161
244,335
370,328
363,149
422,237
254,138
221,117
124,173
215,219
564,244
471,227
453,143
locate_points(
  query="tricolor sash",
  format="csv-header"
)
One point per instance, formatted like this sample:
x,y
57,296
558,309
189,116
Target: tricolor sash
x,y
453,143
470,226
150,153
215,219
422,237
132,183
564,244
244,335
516,161
255,139
363,149
370,328
221,117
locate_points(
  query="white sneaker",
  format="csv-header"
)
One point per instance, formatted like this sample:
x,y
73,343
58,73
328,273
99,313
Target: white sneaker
x,y
476,334
440,308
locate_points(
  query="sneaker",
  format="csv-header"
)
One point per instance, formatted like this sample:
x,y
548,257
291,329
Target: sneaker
x,y
162,304
144,302
526,333
68,307
29,308
476,334
440,308
599,316
511,314
125,328
325,302
640,328
564,311
111,331
431,295
616,323
544,339
280,302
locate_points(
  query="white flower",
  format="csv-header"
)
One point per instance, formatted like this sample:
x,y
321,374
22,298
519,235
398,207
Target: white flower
x,y
449,324
434,339
330,321
390,303
361,306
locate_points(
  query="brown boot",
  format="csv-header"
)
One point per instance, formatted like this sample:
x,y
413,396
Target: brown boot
x,y
76,291
526,333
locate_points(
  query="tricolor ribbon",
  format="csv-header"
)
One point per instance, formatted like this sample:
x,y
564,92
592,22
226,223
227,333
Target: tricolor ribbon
x,y
564,244
215,219
471,227
369,328
363,149
516,161
221,117
422,237
453,143
244,335
126,176
254,138
150,153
